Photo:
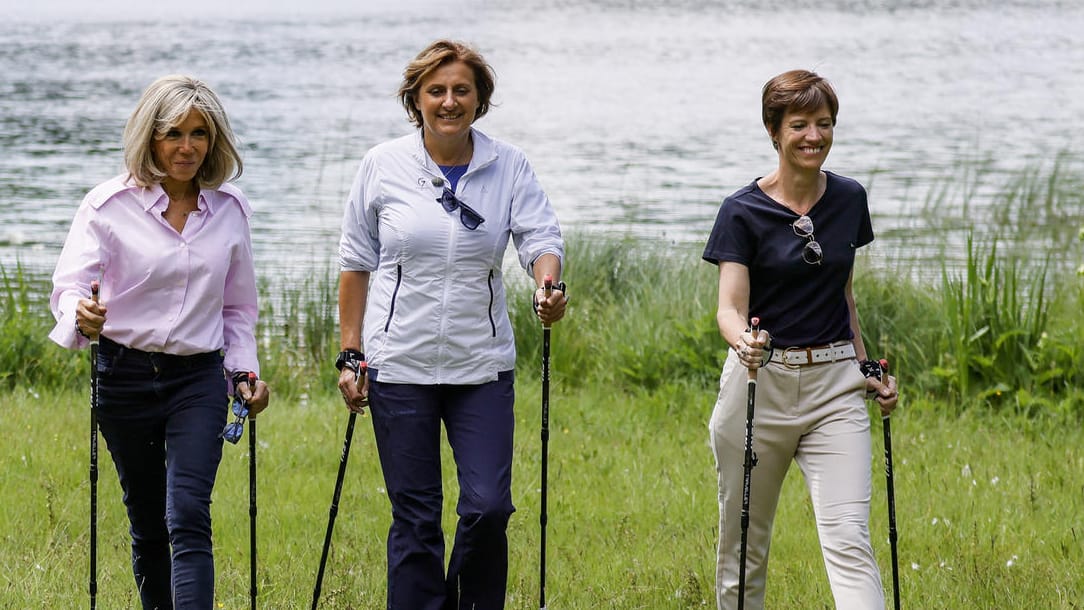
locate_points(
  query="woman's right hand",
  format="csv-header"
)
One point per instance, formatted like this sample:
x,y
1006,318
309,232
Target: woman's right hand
x,y
90,317
355,389
752,349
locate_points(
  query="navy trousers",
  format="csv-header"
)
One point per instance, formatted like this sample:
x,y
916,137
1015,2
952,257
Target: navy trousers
x,y
479,421
161,417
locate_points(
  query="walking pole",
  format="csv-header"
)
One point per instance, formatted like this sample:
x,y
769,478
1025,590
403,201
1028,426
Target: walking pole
x,y
547,288
747,465
887,425
335,502
252,495
93,587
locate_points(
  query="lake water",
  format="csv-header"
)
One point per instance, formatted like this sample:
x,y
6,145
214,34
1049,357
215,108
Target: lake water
x,y
639,117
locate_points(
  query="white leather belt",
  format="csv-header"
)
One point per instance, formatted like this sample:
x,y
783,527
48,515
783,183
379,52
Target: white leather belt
x,y
800,356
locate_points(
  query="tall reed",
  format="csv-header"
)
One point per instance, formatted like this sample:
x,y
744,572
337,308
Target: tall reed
x,y
298,332
27,357
997,326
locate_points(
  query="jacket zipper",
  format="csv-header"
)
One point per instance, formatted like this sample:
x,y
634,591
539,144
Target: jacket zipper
x,y
492,323
395,295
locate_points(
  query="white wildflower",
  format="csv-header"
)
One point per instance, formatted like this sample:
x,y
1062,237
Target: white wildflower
x,y
1010,562
966,471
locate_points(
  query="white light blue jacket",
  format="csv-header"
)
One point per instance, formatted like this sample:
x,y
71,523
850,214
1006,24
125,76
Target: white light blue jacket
x,y
436,311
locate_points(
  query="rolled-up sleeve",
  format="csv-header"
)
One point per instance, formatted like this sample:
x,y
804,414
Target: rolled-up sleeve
x,y
534,225
81,261
359,243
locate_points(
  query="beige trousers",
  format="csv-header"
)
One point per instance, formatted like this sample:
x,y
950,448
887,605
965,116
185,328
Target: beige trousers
x,y
815,415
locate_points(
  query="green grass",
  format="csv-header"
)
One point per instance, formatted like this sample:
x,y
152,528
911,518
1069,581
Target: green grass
x,y
987,509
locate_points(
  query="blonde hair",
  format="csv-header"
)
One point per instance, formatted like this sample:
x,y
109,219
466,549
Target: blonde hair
x,y
164,105
441,53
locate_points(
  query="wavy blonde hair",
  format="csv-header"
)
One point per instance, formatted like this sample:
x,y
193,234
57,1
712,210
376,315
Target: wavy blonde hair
x,y
164,105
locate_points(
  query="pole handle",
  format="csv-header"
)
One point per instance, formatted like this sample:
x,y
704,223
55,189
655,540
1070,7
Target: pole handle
x,y
547,290
884,371
251,388
95,288
754,329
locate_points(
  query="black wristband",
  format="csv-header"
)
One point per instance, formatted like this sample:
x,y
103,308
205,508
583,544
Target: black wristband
x,y
871,368
351,359
240,376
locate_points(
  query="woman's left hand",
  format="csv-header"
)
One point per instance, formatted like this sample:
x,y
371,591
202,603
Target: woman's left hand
x,y
257,399
550,309
886,393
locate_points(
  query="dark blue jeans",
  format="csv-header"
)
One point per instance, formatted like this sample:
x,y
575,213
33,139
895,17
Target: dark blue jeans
x,y
479,421
161,417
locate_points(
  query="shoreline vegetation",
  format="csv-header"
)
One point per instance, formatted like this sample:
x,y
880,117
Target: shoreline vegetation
x,y
991,317
988,341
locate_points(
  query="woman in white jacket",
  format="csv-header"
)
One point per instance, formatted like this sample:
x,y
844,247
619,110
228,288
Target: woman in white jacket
x,y
424,233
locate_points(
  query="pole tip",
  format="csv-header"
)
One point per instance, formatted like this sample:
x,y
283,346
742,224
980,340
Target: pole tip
x,y
547,281
754,321
884,364
94,286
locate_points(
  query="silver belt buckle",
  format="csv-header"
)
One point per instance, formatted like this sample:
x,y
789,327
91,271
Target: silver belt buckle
x,y
797,350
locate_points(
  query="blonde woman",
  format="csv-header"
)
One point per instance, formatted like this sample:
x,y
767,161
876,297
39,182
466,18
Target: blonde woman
x,y
169,242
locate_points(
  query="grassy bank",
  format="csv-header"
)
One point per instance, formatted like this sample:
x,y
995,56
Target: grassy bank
x,y
987,509
990,316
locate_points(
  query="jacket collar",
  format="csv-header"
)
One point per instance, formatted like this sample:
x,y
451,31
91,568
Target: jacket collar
x,y
485,153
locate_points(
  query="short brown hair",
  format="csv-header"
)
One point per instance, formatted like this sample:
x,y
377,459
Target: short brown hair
x,y
441,53
164,105
800,90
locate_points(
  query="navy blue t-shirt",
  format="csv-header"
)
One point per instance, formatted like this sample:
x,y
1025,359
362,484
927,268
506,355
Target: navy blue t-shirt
x,y
799,303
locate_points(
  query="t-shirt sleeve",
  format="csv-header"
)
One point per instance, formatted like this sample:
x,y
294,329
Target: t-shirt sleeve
x,y
865,225
731,238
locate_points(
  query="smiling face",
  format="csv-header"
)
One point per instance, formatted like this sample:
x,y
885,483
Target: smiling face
x,y
804,138
180,151
448,101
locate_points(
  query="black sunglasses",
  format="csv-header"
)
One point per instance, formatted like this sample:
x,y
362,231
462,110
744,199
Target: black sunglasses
x,y
467,215
812,253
